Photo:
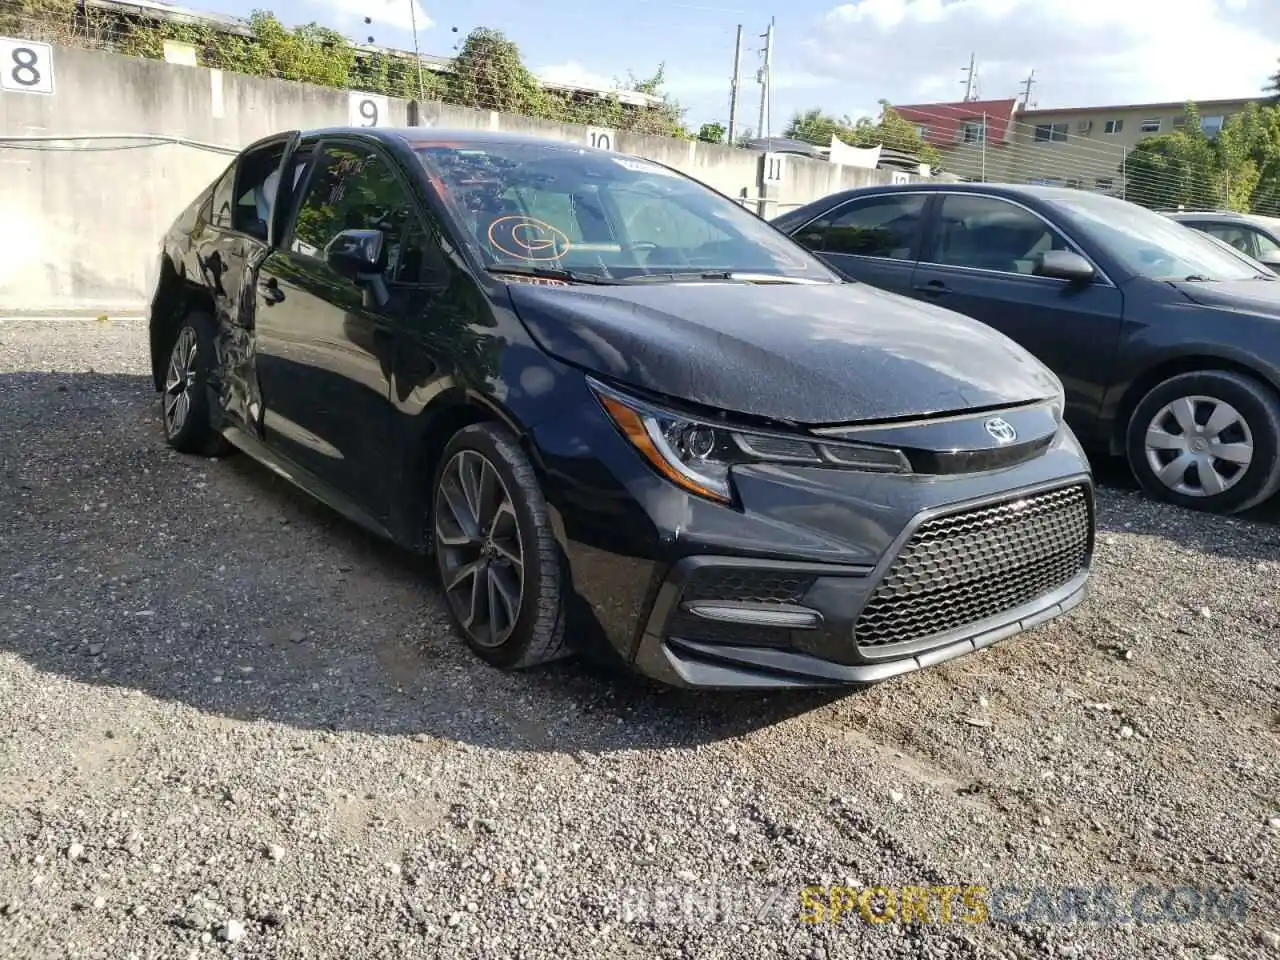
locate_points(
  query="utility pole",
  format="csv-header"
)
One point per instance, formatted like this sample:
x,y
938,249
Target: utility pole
x,y
417,55
765,82
1026,90
733,88
984,146
969,77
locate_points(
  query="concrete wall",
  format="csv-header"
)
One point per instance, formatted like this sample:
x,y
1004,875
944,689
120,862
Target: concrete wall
x,y
80,221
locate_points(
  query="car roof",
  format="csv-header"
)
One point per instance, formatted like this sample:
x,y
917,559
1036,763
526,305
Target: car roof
x,y
1226,216
1207,215
429,135
1011,190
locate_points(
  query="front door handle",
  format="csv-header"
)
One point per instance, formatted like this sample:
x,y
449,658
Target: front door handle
x,y
271,291
933,288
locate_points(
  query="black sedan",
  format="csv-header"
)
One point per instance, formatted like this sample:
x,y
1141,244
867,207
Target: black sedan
x,y
619,410
1168,345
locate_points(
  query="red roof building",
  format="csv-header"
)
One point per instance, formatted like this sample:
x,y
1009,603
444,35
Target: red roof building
x,y
946,124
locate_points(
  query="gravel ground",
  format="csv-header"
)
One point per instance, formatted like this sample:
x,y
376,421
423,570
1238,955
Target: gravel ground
x,y
233,724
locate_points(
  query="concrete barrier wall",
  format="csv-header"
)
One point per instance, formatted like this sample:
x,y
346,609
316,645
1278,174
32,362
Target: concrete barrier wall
x,y
80,222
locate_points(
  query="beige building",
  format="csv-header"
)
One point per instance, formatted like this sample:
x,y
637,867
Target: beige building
x,y
1082,147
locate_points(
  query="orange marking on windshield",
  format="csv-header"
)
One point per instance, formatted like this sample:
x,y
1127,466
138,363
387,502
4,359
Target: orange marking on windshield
x,y
536,239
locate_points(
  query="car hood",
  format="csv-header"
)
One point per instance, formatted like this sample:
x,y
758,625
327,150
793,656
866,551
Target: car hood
x,y
1254,296
804,353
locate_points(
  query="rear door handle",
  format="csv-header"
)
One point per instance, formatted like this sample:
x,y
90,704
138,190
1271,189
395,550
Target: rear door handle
x,y
934,288
271,291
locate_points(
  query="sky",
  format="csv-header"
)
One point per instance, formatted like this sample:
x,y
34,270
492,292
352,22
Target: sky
x,y
846,57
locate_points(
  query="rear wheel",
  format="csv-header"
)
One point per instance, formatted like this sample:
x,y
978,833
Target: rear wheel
x,y
499,563
1208,440
186,401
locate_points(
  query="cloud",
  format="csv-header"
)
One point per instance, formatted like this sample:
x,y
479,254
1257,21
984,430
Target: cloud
x,y
1085,52
348,16
574,74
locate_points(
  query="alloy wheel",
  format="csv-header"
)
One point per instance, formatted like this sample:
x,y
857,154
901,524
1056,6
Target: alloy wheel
x,y
480,551
1199,446
180,380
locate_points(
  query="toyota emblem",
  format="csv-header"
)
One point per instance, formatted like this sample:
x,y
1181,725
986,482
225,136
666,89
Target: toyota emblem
x,y
1001,430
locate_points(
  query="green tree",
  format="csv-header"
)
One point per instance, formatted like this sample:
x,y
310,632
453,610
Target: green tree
x,y
712,133
488,74
814,126
894,133
1182,168
1273,88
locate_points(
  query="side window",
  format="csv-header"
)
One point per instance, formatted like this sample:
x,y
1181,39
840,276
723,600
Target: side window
x,y
1264,246
882,226
990,234
421,258
255,190
355,189
299,166
220,208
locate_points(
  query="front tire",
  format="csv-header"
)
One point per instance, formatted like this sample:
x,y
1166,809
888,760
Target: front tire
x,y
498,561
186,397
1207,440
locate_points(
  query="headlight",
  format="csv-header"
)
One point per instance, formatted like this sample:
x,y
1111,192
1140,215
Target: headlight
x,y
697,455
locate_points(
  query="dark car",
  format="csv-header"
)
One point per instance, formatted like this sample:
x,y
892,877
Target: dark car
x,y
1255,235
1168,345
618,409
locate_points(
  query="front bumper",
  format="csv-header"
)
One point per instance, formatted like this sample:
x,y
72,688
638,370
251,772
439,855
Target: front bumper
x,y
822,577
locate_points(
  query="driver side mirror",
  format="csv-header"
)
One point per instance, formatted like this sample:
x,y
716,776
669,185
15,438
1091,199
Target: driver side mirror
x,y
357,255
1063,265
1271,259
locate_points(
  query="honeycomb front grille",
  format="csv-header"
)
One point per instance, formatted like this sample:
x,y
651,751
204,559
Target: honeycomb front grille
x,y
964,567
746,585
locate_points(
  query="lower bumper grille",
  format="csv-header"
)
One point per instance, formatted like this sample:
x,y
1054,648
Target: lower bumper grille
x,y
961,568
742,585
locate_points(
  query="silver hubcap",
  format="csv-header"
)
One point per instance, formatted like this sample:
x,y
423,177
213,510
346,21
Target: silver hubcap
x,y
1199,446
479,548
180,381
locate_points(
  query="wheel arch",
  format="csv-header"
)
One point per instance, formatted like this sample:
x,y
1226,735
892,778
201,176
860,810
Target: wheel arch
x,y
176,295
1172,367
432,429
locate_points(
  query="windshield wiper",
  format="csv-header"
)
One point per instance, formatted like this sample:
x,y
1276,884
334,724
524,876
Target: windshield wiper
x,y
731,275
548,273
1196,278
660,277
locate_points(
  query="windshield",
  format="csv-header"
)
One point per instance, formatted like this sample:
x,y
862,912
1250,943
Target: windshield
x,y
592,214
1151,245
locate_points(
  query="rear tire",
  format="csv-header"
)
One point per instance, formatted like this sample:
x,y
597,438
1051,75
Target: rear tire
x,y
499,563
1207,440
186,399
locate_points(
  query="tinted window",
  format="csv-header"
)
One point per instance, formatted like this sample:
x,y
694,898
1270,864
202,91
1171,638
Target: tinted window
x,y
256,179
561,206
419,258
990,234
220,208
355,189
875,226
